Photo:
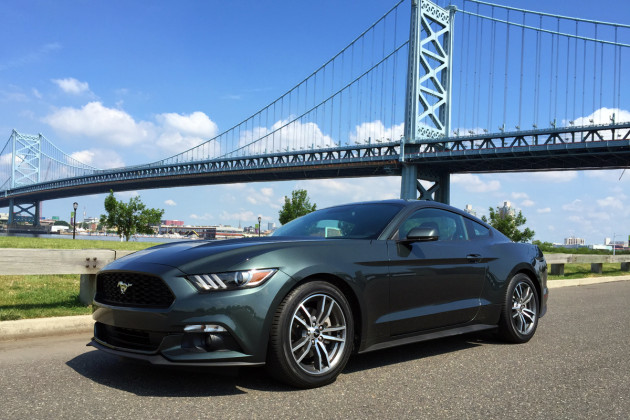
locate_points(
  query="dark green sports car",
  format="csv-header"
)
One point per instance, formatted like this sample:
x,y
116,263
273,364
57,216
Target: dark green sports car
x,y
357,277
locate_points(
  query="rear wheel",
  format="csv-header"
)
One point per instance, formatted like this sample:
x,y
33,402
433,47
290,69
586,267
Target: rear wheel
x,y
311,336
519,317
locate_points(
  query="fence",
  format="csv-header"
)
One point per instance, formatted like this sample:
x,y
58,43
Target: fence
x,y
87,262
557,262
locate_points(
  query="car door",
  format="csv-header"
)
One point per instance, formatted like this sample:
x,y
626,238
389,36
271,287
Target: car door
x,y
437,283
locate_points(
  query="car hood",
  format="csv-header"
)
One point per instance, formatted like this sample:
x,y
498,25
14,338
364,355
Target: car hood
x,y
192,256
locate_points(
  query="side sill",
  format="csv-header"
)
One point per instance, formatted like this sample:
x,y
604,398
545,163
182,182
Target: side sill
x,y
428,336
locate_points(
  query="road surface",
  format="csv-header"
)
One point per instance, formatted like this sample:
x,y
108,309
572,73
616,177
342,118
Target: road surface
x,y
576,366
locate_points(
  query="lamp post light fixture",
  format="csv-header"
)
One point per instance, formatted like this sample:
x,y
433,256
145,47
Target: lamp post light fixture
x,y
259,225
75,205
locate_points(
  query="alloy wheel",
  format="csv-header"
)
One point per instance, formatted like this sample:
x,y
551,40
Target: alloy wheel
x,y
317,334
524,311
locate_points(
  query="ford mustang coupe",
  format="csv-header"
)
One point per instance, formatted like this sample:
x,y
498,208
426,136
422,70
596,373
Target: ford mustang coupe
x,y
356,277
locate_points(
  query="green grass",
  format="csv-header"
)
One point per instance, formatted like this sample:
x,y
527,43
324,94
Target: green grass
x,y
54,243
24,297
580,271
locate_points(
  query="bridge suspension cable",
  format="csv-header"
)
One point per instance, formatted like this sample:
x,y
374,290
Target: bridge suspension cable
x,y
543,57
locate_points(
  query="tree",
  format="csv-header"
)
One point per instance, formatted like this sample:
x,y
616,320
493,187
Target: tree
x,y
508,224
298,205
129,218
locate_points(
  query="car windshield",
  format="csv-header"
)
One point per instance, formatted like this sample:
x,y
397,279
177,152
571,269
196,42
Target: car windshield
x,y
359,221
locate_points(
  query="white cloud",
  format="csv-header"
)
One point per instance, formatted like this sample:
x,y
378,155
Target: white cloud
x,y
370,132
545,210
554,176
527,203
473,183
72,85
267,192
99,122
196,124
575,205
170,202
172,133
603,115
205,216
519,195
36,93
328,192
31,57
611,203
244,216
99,158
182,132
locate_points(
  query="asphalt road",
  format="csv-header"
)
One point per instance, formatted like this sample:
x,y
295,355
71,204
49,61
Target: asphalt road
x,y
576,366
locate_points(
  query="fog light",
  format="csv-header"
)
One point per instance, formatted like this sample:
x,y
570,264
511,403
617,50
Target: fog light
x,y
209,328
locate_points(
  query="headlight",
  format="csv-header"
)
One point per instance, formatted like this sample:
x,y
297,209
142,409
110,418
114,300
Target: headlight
x,y
231,280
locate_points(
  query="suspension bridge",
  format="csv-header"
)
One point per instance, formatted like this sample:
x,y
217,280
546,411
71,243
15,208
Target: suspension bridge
x,y
427,91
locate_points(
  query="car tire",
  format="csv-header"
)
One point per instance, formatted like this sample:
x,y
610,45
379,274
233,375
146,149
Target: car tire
x,y
311,336
519,315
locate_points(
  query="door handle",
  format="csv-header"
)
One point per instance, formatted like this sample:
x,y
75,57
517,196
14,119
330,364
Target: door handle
x,y
474,258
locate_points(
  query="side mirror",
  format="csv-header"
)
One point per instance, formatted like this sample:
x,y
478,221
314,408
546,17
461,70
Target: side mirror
x,y
421,235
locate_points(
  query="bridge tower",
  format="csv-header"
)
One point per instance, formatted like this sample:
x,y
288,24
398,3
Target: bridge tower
x,y
428,97
25,170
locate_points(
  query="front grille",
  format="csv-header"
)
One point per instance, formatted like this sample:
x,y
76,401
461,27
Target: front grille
x,y
127,338
140,290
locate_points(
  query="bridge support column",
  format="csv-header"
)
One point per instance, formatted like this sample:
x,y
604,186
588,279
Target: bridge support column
x,y
29,210
412,189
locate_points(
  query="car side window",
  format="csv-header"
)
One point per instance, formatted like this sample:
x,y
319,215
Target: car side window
x,y
450,226
477,230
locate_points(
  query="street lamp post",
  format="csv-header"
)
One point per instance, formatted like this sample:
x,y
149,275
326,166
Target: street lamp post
x,y
75,205
259,225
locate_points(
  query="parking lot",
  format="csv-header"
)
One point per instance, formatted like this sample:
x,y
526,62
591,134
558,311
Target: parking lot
x,y
577,366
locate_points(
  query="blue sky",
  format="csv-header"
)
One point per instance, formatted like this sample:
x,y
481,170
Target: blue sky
x,y
118,83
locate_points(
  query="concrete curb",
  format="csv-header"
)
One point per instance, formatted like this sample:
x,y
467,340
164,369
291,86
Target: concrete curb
x,y
553,284
42,327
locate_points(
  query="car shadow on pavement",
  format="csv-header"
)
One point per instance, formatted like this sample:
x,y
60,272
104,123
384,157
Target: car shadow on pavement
x,y
144,379
415,351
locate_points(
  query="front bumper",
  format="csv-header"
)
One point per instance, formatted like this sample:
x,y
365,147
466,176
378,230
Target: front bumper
x,y
158,336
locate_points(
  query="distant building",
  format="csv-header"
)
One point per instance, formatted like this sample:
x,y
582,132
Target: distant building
x,y
507,210
205,232
271,226
574,241
173,222
469,209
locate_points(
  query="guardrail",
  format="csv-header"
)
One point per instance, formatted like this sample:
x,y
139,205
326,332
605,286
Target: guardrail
x,y
86,262
557,262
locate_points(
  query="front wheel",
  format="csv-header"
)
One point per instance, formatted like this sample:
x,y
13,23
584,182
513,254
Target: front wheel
x,y
311,336
519,316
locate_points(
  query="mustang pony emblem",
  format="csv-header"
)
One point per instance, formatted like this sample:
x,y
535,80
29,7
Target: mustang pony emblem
x,y
123,286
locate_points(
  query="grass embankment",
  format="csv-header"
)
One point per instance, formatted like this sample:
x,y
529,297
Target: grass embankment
x,y
64,243
41,296
580,271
